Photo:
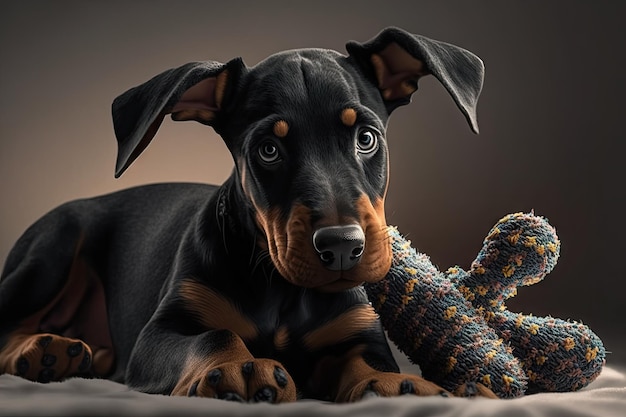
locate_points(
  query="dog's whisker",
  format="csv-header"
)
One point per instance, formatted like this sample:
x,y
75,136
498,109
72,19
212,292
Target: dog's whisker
x,y
254,246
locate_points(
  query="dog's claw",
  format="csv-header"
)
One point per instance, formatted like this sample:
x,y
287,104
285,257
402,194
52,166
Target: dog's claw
x,y
280,377
247,368
265,395
85,364
214,377
369,391
193,390
369,394
471,390
44,341
407,387
74,349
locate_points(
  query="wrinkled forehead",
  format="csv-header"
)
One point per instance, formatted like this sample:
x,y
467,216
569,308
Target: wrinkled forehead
x,y
315,80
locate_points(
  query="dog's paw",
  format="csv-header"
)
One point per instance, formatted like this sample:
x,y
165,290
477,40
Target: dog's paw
x,y
389,384
48,357
257,380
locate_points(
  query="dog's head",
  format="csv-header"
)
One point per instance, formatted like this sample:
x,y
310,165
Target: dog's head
x,y
306,129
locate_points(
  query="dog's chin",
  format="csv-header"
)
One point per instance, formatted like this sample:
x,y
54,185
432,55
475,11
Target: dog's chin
x,y
338,285
318,278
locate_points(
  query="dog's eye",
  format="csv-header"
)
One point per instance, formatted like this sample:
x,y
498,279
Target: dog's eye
x,y
367,141
268,152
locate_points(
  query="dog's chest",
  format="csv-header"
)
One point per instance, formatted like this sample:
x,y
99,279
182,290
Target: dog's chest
x,y
301,321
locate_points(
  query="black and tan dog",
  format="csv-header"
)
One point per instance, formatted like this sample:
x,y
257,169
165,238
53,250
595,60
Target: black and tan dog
x,y
249,291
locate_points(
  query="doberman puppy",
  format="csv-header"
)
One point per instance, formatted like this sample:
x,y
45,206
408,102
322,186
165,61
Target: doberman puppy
x,y
248,291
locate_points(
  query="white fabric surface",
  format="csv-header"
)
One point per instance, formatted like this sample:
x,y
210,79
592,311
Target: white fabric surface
x,y
605,397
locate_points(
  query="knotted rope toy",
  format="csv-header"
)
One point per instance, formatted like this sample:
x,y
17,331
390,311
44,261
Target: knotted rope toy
x,y
455,324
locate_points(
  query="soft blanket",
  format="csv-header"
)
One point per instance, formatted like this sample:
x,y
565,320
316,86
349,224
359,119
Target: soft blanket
x,y
605,397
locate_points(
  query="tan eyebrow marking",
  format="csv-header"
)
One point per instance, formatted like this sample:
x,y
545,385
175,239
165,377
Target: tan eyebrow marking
x,y
281,128
348,117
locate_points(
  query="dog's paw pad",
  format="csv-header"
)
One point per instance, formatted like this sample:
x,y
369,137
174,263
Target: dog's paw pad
x,y
48,360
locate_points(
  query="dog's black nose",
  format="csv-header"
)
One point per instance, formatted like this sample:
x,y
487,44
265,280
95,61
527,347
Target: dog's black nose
x,y
339,247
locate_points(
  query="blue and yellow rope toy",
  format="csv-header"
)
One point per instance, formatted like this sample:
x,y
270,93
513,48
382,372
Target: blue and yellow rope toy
x,y
455,325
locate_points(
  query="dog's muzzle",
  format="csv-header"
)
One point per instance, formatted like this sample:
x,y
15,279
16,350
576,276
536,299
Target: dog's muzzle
x,y
339,247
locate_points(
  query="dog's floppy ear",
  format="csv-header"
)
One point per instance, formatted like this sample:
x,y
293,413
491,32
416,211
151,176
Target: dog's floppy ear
x,y
194,91
396,59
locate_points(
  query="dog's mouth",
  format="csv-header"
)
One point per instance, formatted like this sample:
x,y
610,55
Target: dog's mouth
x,y
301,259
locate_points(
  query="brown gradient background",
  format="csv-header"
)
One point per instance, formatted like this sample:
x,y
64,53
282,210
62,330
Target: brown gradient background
x,y
551,117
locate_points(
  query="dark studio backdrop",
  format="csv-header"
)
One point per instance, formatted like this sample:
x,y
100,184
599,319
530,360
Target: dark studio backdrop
x,y
551,116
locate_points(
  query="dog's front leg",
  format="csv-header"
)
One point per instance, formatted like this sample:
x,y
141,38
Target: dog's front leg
x,y
169,358
365,371
230,372
360,376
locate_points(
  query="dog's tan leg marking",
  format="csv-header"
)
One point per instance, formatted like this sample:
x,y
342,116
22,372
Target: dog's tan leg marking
x,y
349,378
281,338
214,311
342,328
233,373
